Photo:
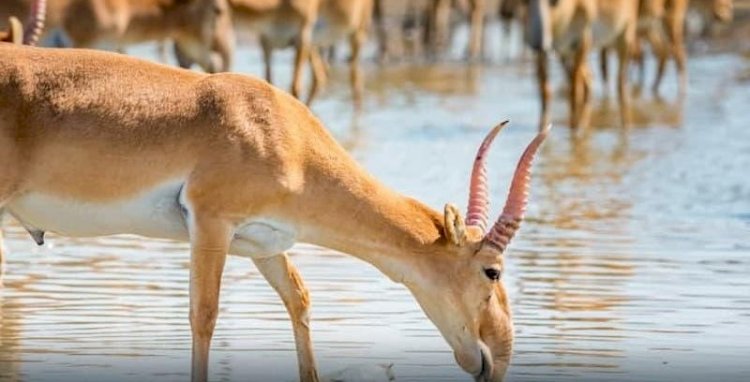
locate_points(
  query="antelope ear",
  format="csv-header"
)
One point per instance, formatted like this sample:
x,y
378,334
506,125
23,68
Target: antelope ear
x,y
15,33
455,228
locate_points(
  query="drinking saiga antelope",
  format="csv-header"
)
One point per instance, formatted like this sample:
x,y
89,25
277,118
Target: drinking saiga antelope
x,y
203,28
17,34
235,166
572,28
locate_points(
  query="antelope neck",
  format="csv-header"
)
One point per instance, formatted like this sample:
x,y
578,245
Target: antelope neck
x,y
361,217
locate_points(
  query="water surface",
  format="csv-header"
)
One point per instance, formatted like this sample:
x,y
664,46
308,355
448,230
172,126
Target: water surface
x,y
634,262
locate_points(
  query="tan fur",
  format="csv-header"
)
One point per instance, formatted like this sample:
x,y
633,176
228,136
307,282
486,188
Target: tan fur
x,y
571,24
244,149
280,24
13,35
305,24
196,25
662,24
438,25
342,19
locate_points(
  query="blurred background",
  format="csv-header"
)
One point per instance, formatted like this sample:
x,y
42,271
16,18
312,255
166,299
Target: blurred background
x,y
634,262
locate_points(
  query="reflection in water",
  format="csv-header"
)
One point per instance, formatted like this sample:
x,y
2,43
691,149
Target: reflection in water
x,y
10,334
567,276
645,112
633,264
448,79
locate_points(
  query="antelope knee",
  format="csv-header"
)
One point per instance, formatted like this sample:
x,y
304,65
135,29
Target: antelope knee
x,y
203,320
299,304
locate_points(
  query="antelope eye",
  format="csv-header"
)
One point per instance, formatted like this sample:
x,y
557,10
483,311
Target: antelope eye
x,y
493,273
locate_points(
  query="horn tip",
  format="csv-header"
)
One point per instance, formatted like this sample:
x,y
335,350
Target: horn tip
x,y
498,127
501,124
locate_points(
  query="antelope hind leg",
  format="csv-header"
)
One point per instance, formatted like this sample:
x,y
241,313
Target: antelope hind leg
x,y
624,44
285,279
357,40
545,89
319,74
579,82
304,45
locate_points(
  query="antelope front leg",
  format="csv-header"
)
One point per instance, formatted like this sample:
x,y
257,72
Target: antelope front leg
x,y
440,25
623,90
380,31
477,29
545,89
676,30
319,74
303,51
286,280
579,82
357,40
669,50
267,57
604,68
209,241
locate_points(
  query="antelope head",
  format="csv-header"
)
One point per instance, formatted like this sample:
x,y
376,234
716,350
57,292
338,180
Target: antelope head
x,y
29,35
460,286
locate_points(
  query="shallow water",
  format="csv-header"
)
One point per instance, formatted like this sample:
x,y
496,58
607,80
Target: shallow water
x,y
634,263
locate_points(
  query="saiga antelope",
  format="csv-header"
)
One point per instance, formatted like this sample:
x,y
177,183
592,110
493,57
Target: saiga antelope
x,y
572,28
437,29
338,19
235,166
17,34
279,24
203,28
662,24
308,25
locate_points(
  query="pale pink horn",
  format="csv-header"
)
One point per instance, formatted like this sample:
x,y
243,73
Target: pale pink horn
x,y
477,213
515,206
35,24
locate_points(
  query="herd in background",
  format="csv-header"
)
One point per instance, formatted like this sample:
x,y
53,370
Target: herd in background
x,y
202,33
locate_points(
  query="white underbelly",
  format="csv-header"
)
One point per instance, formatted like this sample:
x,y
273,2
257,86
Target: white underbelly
x,y
153,213
260,237
156,213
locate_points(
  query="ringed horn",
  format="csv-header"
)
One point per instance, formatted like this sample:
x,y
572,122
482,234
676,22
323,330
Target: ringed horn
x,y
35,24
478,210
